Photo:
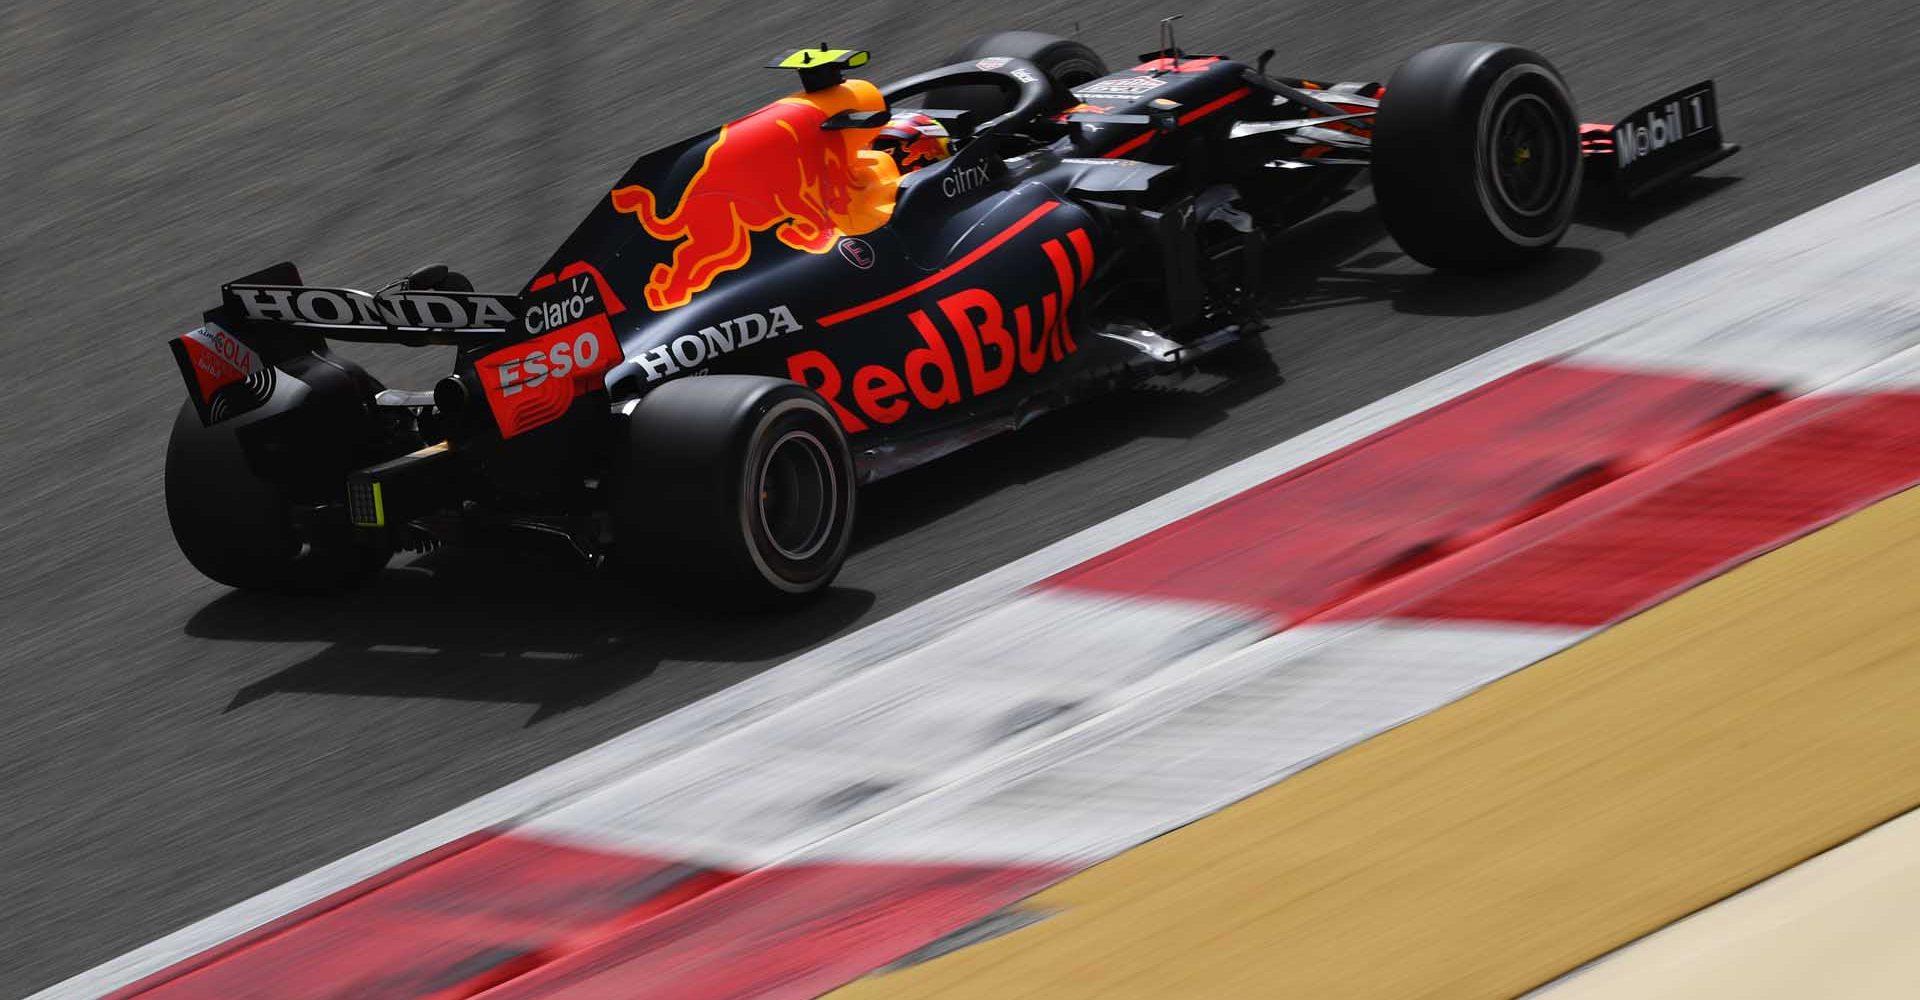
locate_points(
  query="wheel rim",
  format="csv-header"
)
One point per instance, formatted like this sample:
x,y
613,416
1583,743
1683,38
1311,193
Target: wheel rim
x,y
1526,155
797,489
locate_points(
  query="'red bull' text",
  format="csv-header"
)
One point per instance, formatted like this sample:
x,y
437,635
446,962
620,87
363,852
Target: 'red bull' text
x,y
993,342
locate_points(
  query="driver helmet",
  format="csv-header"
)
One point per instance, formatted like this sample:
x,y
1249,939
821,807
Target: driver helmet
x,y
914,140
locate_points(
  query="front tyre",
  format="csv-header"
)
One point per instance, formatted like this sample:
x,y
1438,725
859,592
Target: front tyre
x,y
1476,156
733,483
237,528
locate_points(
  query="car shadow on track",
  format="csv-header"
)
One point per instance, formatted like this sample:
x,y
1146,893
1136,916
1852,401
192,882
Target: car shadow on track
x,y
1344,268
1601,211
1332,259
1179,408
514,626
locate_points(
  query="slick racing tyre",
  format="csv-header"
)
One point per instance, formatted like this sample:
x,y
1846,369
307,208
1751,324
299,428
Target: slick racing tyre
x,y
236,528
1476,156
1067,63
740,485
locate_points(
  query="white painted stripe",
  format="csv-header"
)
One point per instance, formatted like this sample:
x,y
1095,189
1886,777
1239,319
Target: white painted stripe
x,y
1836,926
1039,664
1888,207
1800,305
1900,373
1213,737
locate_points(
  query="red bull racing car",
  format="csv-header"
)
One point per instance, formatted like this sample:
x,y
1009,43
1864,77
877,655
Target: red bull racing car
x,y
852,280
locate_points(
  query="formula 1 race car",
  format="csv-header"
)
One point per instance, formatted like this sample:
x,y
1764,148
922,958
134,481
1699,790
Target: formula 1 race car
x,y
863,278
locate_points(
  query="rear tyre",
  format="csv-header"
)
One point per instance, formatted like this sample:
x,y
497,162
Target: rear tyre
x,y
1066,63
236,528
1476,156
735,484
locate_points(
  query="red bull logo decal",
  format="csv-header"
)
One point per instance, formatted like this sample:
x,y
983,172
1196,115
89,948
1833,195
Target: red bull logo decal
x,y
774,169
993,341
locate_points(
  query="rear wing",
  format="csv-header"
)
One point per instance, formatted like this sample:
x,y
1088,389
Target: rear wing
x,y
413,311
269,325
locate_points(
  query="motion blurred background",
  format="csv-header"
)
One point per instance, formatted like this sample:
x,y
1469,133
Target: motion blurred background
x,y
167,748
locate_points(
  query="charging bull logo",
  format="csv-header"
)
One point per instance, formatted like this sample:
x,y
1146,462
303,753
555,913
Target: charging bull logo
x,y
774,169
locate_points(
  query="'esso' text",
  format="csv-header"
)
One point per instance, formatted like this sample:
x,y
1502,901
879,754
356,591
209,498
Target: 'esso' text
x,y
557,361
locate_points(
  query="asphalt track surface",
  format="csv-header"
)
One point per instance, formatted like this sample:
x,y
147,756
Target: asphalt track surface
x,y
168,748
